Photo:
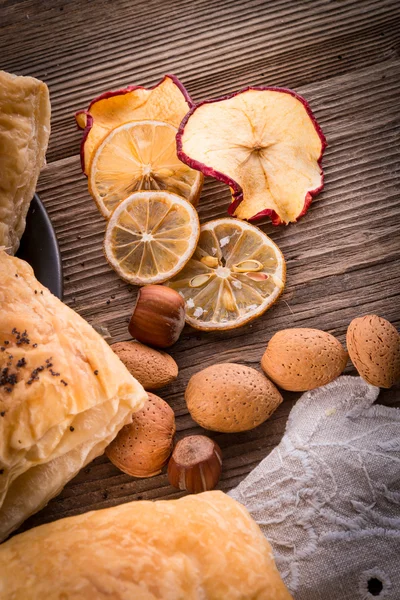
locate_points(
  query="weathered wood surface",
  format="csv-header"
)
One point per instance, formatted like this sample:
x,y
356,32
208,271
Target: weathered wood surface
x,y
342,257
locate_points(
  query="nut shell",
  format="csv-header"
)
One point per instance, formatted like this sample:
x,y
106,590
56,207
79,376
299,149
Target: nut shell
x,y
158,317
152,368
374,347
142,447
302,359
195,465
229,398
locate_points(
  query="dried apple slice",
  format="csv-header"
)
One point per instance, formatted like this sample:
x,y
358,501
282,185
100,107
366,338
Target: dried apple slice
x,y
167,101
234,276
264,143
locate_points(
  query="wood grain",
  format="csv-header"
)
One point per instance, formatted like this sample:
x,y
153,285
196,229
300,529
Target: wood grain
x,y
342,257
252,43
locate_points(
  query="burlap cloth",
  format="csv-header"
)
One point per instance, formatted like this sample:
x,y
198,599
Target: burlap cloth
x,y
328,497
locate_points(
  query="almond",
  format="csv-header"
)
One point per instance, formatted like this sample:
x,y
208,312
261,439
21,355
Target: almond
x,y
303,359
374,347
229,397
142,447
152,368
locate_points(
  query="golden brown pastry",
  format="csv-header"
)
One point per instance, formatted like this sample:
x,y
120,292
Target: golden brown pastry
x,y
24,135
203,547
64,394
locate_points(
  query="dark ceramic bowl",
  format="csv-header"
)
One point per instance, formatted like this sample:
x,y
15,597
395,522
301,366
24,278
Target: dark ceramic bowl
x,y
39,247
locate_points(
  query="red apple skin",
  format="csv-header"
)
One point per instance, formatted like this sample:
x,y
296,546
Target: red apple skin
x,y
275,219
130,88
89,123
237,192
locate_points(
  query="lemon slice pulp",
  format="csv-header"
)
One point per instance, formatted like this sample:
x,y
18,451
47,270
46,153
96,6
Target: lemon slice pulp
x,y
151,236
235,274
139,155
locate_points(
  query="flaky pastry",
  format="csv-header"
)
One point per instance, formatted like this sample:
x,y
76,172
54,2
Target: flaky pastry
x,y
24,135
202,547
64,394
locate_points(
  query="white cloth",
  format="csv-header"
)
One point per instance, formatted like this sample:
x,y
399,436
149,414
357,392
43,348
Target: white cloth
x,y
328,496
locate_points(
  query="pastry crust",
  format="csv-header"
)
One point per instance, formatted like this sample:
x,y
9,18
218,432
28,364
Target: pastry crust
x,y
64,394
198,547
24,135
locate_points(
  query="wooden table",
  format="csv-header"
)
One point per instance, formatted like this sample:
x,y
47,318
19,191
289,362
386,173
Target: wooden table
x,y
342,257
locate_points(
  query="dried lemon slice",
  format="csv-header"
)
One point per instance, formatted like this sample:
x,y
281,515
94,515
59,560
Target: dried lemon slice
x,y
235,274
151,236
140,155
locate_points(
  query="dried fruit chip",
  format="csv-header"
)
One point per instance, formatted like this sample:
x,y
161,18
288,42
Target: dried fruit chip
x,y
140,155
151,236
263,142
247,279
168,101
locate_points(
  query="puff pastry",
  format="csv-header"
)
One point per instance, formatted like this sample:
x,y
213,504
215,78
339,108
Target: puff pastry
x,y
203,547
24,135
64,394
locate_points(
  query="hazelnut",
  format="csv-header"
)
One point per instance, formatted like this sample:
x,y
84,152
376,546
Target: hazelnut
x,y
374,347
152,368
230,398
302,359
142,447
158,317
195,464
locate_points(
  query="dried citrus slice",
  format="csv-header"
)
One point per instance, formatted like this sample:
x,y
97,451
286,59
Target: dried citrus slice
x,y
151,236
167,101
235,274
140,155
263,142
